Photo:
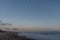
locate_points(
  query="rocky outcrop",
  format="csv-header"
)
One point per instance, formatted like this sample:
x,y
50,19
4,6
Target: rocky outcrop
x,y
2,31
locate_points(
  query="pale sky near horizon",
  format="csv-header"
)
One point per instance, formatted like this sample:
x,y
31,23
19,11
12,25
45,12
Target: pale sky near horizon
x,y
31,13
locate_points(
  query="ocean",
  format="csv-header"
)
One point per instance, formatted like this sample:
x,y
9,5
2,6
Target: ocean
x,y
41,36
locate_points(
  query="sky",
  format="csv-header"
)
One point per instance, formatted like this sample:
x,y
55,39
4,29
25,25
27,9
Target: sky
x,y
31,14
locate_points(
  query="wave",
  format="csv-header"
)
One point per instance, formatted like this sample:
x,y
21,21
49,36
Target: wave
x,y
39,36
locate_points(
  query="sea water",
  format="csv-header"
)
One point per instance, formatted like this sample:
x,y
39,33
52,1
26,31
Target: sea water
x,y
41,36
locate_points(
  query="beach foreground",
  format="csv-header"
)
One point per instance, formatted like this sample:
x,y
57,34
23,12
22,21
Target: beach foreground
x,y
12,36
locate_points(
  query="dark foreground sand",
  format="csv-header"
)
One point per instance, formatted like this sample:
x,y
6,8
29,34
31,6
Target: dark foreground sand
x,y
12,36
16,39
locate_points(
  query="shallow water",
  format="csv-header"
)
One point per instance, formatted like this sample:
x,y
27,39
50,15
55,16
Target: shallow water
x,y
39,36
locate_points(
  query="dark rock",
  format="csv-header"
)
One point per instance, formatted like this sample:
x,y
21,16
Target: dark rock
x,y
2,31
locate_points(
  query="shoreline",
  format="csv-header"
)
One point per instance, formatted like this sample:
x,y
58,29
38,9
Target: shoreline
x,y
8,35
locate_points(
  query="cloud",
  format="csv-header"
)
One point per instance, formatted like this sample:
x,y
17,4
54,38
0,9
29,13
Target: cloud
x,y
4,24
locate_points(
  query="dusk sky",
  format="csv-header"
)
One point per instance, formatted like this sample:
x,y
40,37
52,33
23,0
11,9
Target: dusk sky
x,y
31,13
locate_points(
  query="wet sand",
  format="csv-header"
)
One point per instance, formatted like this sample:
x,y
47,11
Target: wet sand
x,y
12,36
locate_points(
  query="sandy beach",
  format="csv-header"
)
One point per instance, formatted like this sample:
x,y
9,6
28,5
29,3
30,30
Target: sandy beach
x,y
12,36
